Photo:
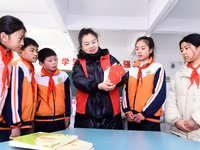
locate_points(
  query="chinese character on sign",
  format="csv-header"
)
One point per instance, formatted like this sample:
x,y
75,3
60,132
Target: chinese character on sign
x,y
65,61
74,59
127,63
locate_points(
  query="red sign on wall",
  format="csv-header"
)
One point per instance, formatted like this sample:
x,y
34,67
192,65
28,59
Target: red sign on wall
x,y
127,63
65,61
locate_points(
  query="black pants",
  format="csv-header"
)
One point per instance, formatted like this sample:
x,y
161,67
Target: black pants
x,y
144,126
5,134
85,121
49,126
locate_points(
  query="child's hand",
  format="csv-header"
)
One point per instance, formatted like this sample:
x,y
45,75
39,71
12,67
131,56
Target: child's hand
x,y
191,124
32,128
180,124
137,118
67,122
107,85
15,132
130,116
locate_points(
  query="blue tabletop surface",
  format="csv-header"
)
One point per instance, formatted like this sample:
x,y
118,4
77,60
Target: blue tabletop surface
x,y
104,139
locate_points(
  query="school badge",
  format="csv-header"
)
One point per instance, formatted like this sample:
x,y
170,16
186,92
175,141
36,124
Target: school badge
x,y
60,80
148,72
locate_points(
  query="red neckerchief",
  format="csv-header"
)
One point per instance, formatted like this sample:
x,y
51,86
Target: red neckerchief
x,y
194,75
6,60
139,75
31,67
51,85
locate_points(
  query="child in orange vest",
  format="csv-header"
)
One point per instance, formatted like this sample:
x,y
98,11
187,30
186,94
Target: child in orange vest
x,y
54,95
145,91
20,105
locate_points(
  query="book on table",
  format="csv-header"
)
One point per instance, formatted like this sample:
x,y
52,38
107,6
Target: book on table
x,y
49,141
78,145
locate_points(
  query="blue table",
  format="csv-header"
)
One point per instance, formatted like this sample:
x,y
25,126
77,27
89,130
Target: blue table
x,y
103,139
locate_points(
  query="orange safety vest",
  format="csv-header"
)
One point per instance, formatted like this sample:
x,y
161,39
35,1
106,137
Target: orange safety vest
x,y
81,97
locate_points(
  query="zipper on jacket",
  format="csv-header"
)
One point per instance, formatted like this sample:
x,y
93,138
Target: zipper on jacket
x,y
54,106
33,103
32,112
135,95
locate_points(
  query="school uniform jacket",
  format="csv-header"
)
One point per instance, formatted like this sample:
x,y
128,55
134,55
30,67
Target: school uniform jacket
x,y
145,97
5,92
19,109
60,104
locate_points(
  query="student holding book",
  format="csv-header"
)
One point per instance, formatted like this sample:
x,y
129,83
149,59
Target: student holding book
x,y
97,100
183,100
145,90
20,105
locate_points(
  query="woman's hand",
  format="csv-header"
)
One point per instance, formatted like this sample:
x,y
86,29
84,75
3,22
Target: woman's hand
x,y
107,85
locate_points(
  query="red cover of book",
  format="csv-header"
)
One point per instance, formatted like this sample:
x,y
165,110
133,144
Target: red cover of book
x,y
116,73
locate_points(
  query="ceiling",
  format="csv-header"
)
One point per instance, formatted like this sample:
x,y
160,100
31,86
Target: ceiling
x,y
119,22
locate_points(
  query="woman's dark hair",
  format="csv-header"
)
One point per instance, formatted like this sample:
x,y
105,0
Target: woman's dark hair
x,y
10,24
194,39
44,53
83,32
149,41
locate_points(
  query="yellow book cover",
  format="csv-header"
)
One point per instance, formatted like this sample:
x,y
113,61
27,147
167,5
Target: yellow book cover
x,y
77,145
44,141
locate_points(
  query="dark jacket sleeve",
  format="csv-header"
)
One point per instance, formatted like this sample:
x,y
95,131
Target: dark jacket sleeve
x,y
67,97
125,99
81,82
13,106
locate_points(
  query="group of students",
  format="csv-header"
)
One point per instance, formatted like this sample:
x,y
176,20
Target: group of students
x,y
32,102
98,100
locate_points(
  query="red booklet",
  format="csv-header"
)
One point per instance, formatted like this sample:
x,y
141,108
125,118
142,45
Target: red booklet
x,y
116,72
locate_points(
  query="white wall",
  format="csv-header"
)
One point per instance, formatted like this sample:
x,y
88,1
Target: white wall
x,y
54,39
168,52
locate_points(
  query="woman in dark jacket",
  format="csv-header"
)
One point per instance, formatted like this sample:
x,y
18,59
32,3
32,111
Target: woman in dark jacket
x,y
97,100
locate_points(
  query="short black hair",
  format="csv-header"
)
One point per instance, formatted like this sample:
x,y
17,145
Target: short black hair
x,y
44,53
28,41
10,24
